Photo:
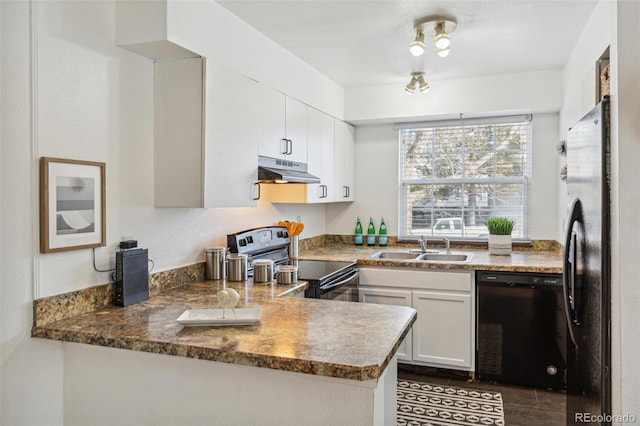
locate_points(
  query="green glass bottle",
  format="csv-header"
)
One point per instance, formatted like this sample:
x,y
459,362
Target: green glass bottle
x,y
358,236
382,234
371,233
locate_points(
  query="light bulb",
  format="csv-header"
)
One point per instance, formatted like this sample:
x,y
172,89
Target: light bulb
x,y
441,38
443,53
411,87
416,47
423,86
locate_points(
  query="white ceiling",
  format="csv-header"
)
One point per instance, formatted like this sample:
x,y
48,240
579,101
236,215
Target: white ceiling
x,y
365,42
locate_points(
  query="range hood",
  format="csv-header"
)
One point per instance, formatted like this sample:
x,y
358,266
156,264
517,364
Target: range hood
x,y
276,170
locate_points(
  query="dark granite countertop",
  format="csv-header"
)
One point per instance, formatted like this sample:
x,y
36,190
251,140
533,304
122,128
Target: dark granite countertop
x,y
542,261
327,338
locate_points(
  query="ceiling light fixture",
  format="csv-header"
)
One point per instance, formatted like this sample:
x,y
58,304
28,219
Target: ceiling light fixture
x,y
441,27
417,84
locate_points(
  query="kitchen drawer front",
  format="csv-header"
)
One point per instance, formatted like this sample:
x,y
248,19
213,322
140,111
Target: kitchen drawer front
x,y
417,279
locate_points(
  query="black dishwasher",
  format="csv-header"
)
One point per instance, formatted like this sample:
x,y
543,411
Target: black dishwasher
x,y
521,331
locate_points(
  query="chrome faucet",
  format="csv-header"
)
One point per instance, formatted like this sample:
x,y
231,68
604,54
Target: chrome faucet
x,y
423,243
447,245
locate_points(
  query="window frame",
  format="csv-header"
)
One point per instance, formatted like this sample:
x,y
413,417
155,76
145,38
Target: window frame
x,y
525,181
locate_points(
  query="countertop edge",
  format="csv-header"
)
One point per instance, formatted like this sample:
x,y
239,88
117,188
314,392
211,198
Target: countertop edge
x,y
225,352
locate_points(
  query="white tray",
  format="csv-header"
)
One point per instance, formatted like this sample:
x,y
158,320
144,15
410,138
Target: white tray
x,y
209,317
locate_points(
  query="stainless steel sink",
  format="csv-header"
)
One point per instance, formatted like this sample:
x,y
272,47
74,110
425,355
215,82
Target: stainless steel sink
x,y
429,256
446,257
398,255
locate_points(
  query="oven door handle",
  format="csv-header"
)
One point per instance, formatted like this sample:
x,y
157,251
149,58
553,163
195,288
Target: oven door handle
x,y
328,288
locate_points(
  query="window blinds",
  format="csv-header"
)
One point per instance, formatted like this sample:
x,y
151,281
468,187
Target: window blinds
x,y
467,171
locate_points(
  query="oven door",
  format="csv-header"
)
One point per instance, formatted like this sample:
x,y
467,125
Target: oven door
x,y
345,288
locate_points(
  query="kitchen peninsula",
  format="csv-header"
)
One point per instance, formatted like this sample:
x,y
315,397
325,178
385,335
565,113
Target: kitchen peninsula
x,y
306,361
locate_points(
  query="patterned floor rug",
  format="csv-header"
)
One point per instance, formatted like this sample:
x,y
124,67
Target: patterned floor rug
x,y
424,404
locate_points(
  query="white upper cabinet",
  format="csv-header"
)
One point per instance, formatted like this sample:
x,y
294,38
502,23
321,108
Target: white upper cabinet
x,y
205,125
345,161
321,154
206,132
321,149
179,87
283,125
296,129
331,153
231,135
271,117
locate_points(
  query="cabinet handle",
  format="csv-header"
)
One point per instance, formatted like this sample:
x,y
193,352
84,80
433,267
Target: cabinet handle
x,y
257,186
284,147
326,191
323,191
346,191
289,147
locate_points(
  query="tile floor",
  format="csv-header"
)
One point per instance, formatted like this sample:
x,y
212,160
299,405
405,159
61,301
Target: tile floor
x,y
522,406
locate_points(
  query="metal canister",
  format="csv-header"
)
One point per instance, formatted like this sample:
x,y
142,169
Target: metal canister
x,y
287,274
237,267
216,268
262,270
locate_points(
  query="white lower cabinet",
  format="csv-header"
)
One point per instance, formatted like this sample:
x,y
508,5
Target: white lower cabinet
x,y
443,334
442,331
391,297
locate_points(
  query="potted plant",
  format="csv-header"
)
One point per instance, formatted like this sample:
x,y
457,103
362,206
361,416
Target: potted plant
x,y
500,229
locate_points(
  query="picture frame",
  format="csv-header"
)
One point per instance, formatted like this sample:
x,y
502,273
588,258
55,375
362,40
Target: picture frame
x,y
72,204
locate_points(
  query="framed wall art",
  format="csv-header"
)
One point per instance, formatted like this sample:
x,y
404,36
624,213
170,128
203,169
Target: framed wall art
x,y
72,204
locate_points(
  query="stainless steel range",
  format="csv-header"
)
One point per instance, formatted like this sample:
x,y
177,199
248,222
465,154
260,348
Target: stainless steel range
x,y
335,280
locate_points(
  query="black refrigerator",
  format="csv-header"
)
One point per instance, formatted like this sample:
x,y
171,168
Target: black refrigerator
x,y
586,275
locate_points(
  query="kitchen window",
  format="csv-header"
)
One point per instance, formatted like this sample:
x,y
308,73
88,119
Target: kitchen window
x,y
455,174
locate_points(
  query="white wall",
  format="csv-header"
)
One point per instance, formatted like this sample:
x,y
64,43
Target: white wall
x,y
377,180
625,206
531,92
94,102
578,80
374,108
30,372
615,24
87,99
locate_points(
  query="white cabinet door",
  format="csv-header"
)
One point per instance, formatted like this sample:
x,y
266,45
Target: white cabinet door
x,y
283,125
231,135
443,333
320,151
321,158
345,161
204,124
296,130
270,106
390,297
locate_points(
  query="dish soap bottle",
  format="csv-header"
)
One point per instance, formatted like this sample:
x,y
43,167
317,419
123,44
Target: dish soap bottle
x,y
371,233
382,234
358,236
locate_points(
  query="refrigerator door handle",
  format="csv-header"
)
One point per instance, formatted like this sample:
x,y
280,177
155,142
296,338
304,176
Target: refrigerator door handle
x,y
569,270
